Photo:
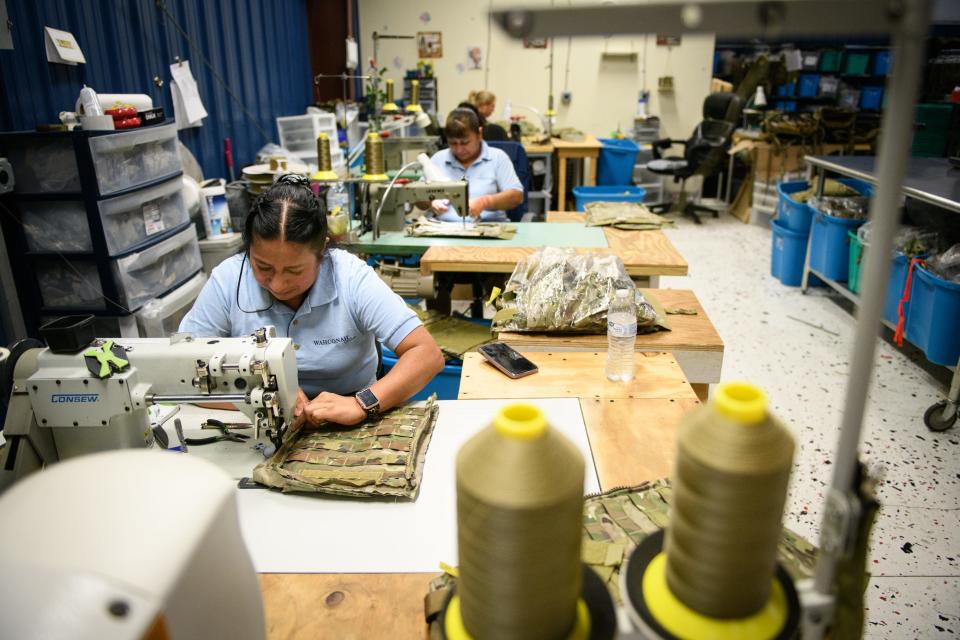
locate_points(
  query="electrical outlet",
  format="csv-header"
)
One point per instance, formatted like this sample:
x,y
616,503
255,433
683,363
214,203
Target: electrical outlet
x,y
566,97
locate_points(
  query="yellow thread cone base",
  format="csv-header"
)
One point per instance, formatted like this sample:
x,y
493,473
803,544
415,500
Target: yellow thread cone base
x,y
741,401
390,107
325,176
683,622
375,177
414,108
520,422
454,629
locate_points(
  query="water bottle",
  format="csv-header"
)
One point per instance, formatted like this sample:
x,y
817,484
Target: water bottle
x,y
338,196
621,336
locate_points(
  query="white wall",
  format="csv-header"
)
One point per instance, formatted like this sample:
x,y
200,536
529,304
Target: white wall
x,y
604,91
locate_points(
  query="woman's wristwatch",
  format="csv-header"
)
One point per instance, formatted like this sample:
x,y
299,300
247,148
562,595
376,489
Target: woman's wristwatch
x,y
368,401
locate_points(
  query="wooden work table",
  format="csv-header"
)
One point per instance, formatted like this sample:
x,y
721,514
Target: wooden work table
x,y
693,340
589,149
632,438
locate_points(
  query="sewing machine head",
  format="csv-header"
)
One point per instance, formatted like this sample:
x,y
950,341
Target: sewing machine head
x,y
393,212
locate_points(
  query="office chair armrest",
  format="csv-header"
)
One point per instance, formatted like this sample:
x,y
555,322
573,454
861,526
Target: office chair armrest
x,y
664,143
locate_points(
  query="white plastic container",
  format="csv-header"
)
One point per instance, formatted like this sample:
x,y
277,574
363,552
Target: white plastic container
x,y
216,249
161,317
621,336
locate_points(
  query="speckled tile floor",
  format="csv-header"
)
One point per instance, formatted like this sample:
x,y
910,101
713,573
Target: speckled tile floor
x,y
915,551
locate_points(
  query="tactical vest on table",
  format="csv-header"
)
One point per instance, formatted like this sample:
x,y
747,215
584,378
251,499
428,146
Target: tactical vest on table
x,y
623,215
423,227
382,456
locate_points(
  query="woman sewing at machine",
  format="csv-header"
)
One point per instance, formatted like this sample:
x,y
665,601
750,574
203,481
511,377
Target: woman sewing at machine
x,y
494,185
328,301
484,103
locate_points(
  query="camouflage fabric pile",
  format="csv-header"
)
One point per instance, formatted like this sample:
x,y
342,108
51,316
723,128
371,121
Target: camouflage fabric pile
x,y
454,336
614,523
623,215
382,456
559,290
424,227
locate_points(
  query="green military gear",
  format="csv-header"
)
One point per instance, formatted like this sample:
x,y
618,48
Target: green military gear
x,y
382,456
565,291
107,358
614,522
623,215
454,336
437,229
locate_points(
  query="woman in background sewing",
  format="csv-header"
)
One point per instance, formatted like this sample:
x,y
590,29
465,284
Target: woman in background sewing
x,y
333,306
485,103
494,185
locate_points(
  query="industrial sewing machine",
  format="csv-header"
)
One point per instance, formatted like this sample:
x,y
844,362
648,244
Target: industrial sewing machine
x,y
83,395
390,199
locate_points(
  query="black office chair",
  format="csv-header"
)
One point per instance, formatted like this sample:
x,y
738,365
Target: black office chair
x,y
518,156
703,153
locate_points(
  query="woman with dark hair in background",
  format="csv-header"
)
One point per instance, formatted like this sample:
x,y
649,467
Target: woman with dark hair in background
x,y
328,301
494,185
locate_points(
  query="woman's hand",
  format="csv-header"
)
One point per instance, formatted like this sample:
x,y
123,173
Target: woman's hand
x,y
479,204
329,407
439,206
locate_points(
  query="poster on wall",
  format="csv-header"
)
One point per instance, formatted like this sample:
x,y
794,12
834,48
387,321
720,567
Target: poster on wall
x,y
429,44
535,43
475,56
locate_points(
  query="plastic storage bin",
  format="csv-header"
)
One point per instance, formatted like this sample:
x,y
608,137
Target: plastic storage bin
x,y
56,226
808,85
42,163
161,316
934,317
157,269
830,60
788,252
131,158
882,62
810,60
615,165
786,90
871,98
584,195
830,245
216,249
793,215
787,106
855,64
856,259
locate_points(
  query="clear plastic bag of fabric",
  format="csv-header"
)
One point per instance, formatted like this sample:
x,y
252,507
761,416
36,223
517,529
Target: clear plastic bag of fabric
x,y
910,241
946,265
559,290
853,207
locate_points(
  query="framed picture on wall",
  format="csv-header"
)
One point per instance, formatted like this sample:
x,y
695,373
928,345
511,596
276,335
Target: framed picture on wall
x,y
430,44
535,43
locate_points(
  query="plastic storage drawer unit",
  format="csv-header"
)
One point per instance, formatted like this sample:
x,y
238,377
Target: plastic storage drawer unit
x,y
161,316
131,158
158,269
127,220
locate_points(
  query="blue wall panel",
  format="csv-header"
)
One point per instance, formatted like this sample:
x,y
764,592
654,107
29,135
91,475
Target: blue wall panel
x,y
258,47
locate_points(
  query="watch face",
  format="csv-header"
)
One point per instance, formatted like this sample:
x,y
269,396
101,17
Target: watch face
x,y
368,399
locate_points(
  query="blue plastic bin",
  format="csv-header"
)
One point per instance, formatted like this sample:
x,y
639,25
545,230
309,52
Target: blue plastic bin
x,y
787,106
617,157
446,384
829,244
583,195
881,63
788,251
934,317
808,85
787,90
871,98
795,216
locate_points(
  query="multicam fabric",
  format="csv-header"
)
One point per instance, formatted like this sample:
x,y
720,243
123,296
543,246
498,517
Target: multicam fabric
x,y
623,215
454,336
559,290
383,456
423,227
614,522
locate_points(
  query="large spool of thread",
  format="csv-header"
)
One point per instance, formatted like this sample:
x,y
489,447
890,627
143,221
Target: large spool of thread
x,y
373,155
324,163
730,485
519,517
414,105
390,106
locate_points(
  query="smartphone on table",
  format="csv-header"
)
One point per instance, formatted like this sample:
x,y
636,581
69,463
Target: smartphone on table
x,y
507,360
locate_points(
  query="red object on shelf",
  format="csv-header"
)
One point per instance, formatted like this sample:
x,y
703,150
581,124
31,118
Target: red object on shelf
x,y
955,95
126,123
122,112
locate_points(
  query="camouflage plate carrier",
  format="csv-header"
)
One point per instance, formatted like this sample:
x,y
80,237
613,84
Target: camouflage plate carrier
x,y
382,456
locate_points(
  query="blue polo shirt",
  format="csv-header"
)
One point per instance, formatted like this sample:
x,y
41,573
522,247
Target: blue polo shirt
x,y
333,331
491,173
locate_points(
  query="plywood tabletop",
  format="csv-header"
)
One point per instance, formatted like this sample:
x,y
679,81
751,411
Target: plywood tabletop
x,y
689,332
644,253
575,375
589,143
